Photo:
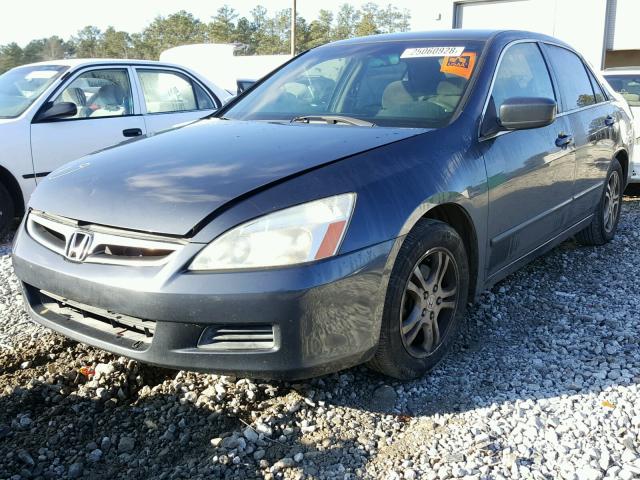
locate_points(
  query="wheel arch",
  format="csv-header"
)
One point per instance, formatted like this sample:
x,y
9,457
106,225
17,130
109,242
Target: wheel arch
x,y
11,184
623,158
459,219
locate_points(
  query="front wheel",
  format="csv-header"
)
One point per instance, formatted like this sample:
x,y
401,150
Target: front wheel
x,y
607,215
425,302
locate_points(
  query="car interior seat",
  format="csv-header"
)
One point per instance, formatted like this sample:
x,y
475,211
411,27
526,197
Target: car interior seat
x,y
419,85
449,93
108,101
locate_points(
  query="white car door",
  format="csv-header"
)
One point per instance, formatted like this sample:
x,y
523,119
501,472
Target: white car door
x,y
107,114
170,97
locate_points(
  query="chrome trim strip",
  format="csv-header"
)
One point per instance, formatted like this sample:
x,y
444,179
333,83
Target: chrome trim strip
x,y
102,237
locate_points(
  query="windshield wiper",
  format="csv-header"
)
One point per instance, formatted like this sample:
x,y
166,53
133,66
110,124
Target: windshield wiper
x,y
332,120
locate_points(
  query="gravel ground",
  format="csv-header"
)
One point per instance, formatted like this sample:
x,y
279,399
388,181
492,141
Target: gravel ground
x,y
543,384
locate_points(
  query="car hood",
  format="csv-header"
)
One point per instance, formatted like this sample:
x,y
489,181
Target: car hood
x,y
170,182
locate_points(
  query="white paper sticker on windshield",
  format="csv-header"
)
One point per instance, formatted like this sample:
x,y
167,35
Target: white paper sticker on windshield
x,y
432,52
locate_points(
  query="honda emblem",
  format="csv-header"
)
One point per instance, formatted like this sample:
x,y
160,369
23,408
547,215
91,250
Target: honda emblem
x,y
78,246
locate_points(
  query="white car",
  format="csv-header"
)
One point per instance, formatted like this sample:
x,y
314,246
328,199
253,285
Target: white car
x,y
626,82
54,112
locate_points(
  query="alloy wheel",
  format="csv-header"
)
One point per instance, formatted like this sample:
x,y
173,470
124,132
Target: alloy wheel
x,y
429,302
611,201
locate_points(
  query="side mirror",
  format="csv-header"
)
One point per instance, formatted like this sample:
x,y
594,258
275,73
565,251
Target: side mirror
x,y
521,113
56,111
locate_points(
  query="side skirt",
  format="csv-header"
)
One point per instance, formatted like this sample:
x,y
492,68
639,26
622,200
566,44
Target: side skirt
x,y
541,250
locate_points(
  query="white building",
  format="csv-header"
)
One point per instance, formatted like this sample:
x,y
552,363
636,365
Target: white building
x,y
604,31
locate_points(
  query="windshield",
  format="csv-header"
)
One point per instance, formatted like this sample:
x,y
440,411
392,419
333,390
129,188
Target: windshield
x,y
21,86
400,84
628,86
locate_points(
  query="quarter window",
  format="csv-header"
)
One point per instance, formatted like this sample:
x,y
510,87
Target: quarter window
x,y
204,100
573,80
167,92
99,93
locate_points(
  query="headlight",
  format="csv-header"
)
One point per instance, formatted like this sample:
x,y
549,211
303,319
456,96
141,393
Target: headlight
x,y
299,234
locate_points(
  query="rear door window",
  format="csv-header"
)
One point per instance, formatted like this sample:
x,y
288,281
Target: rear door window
x,y
574,83
166,92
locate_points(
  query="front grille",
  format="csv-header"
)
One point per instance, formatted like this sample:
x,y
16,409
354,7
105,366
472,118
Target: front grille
x,y
243,337
124,326
107,246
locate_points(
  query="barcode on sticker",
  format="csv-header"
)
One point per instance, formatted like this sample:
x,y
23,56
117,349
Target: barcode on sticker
x,y
432,52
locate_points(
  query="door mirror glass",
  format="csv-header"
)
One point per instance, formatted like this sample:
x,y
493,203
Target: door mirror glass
x,y
58,111
521,113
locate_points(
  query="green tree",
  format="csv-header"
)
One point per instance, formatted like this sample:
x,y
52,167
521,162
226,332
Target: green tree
x,y
390,19
223,27
115,44
258,34
55,48
180,28
87,42
245,33
33,51
11,55
346,20
320,29
368,20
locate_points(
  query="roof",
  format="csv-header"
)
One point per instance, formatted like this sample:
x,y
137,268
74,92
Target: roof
x,y
79,62
461,34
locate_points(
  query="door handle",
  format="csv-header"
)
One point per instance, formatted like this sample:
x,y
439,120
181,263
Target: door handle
x,y
132,132
564,140
610,121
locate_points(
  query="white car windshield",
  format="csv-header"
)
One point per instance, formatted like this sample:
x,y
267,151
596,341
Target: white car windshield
x,y
22,86
626,85
413,83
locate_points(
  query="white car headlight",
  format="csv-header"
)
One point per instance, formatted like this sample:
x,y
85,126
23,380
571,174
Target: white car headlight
x,y
299,234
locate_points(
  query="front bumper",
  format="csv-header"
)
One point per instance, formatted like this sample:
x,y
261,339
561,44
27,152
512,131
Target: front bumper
x,y
325,316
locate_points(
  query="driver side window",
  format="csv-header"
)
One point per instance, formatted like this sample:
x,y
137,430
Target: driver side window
x,y
99,93
522,73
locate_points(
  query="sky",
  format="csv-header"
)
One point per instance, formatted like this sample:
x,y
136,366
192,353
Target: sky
x,y
44,18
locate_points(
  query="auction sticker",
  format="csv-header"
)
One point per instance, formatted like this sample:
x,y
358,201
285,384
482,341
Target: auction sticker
x,y
432,52
462,65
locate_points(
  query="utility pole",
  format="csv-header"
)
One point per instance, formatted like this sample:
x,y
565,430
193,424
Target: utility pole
x,y
293,28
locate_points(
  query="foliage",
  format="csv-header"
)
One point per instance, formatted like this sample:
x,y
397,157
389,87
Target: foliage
x,y
261,33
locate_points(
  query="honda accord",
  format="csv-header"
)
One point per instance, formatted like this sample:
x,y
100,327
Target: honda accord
x,y
344,209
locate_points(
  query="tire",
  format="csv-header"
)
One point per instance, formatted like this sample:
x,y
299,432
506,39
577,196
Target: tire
x,y
7,209
603,227
425,250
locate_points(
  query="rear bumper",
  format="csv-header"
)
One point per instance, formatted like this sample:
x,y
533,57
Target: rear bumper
x,y
324,316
